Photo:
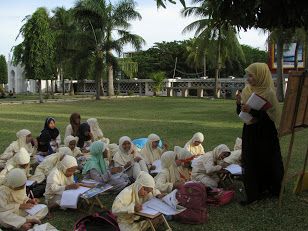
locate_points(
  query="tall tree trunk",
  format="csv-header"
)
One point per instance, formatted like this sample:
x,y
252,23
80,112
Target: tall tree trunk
x,y
99,73
72,92
51,89
110,80
47,90
62,79
306,50
295,56
279,72
217,70
40,90
204,64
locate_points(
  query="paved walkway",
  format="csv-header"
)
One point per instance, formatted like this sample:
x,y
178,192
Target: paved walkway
x,y
32,101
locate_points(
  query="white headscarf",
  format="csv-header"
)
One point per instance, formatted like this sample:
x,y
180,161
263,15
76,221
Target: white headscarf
x,y
196,137
22,138
168,162
66,163
122,140
70,138
143,180
218,150
17,178
238,144
182,153
153,137
22,157
95,129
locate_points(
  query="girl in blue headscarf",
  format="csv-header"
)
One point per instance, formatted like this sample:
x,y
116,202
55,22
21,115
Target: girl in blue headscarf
x,y
96,169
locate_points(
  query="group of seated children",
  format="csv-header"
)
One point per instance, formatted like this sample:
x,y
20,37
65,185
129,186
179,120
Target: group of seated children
x,y
125,167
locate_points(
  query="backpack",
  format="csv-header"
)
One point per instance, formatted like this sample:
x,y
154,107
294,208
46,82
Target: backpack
x,y
99,221
193,197
37,189
219,197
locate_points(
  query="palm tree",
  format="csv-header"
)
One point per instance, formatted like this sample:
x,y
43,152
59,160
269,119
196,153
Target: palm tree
x,y
281,38
64,28
218,36
109,27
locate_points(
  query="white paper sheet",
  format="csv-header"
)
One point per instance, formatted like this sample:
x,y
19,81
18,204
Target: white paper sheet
x,y
147,210
43,227
29,182
234,169
70,197
171,200
157,164
162,207
255,102
35,209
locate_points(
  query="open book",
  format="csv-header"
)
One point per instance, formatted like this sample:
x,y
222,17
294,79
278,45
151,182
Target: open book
x,y
95,191
168,205
70,198
35,209
157,164
234,169
256,102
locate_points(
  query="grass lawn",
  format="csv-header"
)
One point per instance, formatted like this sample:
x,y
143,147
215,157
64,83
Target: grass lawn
x,y
175,120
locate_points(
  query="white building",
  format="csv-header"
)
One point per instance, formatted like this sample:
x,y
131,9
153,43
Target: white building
x,y
16,80
18,83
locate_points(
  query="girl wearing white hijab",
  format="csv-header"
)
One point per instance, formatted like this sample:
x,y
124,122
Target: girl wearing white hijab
x,y
127,156
45,167
130,200
194,145
20,160
184,159
205,167
24,140
169,177
151,152
71,142
60,179
14,201
97,131
236,154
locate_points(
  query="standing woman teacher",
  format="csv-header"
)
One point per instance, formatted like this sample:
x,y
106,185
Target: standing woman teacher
x,y
261,157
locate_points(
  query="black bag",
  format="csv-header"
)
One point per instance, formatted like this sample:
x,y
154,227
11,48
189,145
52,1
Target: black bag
x,y
38,190
97,222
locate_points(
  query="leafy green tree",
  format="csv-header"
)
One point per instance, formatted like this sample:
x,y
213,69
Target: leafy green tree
x,y
222,38
36,52
109,25
3,70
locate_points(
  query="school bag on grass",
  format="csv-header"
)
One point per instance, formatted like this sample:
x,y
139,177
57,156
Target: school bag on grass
x,y
193,197
219,197
104,220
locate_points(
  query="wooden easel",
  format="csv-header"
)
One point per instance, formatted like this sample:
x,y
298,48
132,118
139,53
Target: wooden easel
x,y
150,218
294,118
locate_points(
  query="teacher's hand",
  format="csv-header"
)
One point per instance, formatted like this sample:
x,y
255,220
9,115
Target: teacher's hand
x,y
246,108
238,98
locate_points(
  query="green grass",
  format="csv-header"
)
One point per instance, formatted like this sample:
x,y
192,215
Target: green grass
x,y
175,120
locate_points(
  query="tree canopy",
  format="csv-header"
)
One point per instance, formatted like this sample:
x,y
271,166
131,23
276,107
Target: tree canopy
x,y
3,70
246,14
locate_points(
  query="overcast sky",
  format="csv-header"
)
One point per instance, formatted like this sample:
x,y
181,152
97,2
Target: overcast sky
x,y
156,25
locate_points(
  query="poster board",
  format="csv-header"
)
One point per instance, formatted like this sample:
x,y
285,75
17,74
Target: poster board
x,y
296,104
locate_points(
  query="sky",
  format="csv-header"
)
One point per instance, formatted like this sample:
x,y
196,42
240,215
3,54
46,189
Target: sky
x,y
157,25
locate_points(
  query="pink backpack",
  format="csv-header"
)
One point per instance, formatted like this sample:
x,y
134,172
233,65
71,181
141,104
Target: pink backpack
x,y
219,197
104,220
193,197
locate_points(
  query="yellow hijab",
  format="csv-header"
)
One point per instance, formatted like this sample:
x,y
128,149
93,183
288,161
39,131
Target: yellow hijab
x,y
264,87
